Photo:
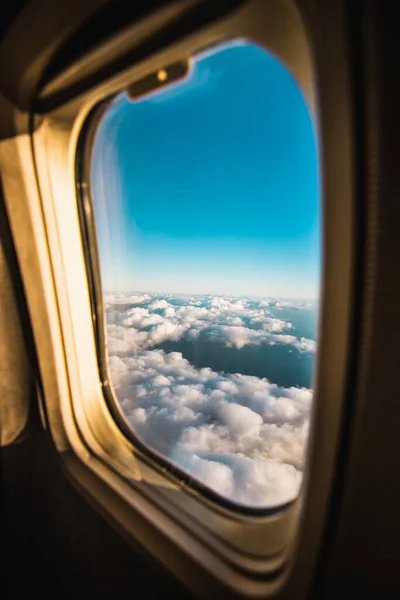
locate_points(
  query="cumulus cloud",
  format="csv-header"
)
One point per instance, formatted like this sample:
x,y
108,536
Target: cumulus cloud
x,y
302,344
297,304
159,304
112,298
235,322
242,436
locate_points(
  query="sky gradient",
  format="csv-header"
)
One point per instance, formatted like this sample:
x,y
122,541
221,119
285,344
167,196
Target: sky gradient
x,y
212,185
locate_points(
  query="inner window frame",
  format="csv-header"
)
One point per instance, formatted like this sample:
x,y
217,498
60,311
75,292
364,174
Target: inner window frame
x,y
93,268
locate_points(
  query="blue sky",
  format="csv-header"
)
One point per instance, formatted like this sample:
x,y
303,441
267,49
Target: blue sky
x,y
212,185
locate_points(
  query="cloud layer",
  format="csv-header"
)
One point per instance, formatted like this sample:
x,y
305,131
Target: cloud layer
x,y
242,436
236,322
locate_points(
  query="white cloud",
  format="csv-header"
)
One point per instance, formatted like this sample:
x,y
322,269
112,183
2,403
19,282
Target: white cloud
x,y
298,304
242,436
159,304
112,298
169,312
121,340
302,344
236,322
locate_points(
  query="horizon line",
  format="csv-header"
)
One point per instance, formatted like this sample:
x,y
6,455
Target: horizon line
x,y
202,294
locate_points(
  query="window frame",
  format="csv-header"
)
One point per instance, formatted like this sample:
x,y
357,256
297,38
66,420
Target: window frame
x,y
55,276
157,461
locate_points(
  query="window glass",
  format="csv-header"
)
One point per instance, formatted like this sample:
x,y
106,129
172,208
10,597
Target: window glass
x,y
206,200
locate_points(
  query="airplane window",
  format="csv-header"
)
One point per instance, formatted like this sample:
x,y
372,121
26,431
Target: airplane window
x,y
207,208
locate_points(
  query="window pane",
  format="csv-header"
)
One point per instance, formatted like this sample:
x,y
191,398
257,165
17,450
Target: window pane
x,y
206,199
